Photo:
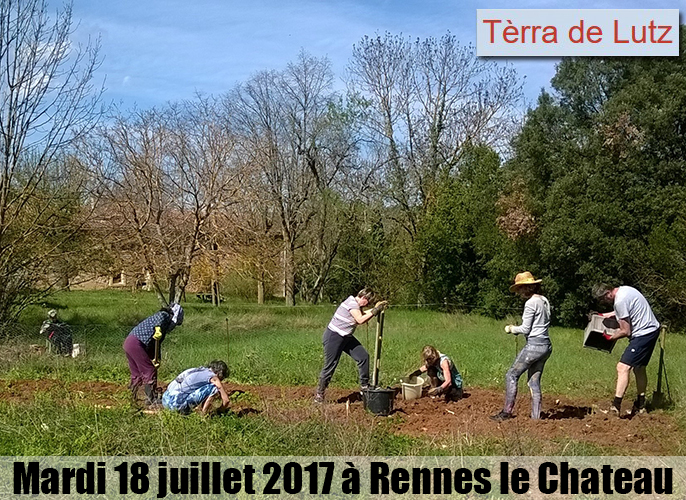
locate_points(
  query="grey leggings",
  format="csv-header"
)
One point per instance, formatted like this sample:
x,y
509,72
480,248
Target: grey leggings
x,y
532,358
334,346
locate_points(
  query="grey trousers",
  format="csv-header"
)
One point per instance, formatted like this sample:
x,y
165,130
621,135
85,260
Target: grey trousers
x,y
334,346
531,358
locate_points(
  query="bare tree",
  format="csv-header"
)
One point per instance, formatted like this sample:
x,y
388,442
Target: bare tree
x,y
47,103
167,173
283,119
427,99
252,235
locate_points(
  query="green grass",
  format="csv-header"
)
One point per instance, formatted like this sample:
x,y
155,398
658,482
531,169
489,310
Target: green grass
x,y
276,345
53,425
49,427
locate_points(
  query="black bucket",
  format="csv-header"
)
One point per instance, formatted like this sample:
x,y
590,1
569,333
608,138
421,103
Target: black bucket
x,y
378,401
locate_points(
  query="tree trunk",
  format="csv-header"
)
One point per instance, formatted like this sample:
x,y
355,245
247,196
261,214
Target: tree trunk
x,y
216,301
64,282
172,286
289,273
215,294
260,288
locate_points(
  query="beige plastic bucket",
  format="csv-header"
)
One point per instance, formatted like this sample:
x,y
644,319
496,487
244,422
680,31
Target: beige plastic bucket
x,y
412,388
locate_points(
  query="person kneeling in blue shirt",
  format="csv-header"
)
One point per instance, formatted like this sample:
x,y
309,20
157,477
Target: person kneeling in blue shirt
x,y
197,387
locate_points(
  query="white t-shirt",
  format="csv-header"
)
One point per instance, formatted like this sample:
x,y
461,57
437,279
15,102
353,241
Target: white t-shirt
x,y
343,322
633,307
535,319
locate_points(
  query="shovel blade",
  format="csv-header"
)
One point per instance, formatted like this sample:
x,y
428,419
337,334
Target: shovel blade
x,y
659,399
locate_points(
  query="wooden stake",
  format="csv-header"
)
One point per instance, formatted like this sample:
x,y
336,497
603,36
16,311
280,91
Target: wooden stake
x,y
377,348
227,341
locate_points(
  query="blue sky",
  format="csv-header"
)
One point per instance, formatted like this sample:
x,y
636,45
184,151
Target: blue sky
x,y
160,50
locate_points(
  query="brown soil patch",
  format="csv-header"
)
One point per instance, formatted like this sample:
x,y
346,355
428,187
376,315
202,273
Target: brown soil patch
x,y
564,420
99,393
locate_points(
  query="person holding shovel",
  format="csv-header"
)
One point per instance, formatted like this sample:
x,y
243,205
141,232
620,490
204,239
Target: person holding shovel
x,y
443,374
142,348
197,387
536,351
339,338
638,323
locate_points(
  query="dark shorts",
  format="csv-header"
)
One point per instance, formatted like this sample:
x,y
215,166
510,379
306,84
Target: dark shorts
x,y
640,349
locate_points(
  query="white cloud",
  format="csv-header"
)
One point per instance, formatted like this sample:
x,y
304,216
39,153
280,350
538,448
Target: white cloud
x,y
173,48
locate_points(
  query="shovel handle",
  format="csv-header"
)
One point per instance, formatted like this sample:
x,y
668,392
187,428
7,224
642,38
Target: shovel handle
x,y
156,359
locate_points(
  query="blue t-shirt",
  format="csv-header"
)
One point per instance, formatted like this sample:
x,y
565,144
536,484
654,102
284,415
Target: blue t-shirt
x,y
190,380
144,330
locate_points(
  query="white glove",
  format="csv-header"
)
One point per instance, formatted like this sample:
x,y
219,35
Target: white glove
x,y
508,328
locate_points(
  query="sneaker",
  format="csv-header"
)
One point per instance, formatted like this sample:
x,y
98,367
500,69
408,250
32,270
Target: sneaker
x,y
638,408
614,410
318,398
503,415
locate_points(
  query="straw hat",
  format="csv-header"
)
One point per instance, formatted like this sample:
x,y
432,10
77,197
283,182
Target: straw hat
x,y
525,278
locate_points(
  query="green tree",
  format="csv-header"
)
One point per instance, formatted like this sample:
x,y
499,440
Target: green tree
x,y
459,238
603,165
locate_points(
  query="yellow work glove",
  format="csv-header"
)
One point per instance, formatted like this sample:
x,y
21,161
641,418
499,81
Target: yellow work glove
x,y
158,333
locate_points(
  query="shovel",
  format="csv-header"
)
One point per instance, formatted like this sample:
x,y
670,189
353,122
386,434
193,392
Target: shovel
x,y
658,396
156,359
377,348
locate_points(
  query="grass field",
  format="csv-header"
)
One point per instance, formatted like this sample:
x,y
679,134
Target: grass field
x,y
272,345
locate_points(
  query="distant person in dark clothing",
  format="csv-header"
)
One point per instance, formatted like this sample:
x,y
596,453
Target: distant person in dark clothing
x,y
58,333
140,345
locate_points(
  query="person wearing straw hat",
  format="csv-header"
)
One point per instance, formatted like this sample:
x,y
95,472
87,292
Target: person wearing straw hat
x,y
638,323
339,338
536,351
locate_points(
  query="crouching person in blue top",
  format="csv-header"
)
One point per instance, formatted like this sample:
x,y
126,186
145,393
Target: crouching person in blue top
x,y
444,376
197,387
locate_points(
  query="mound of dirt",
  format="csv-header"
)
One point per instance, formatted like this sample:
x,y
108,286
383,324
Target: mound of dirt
x,y
563,419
